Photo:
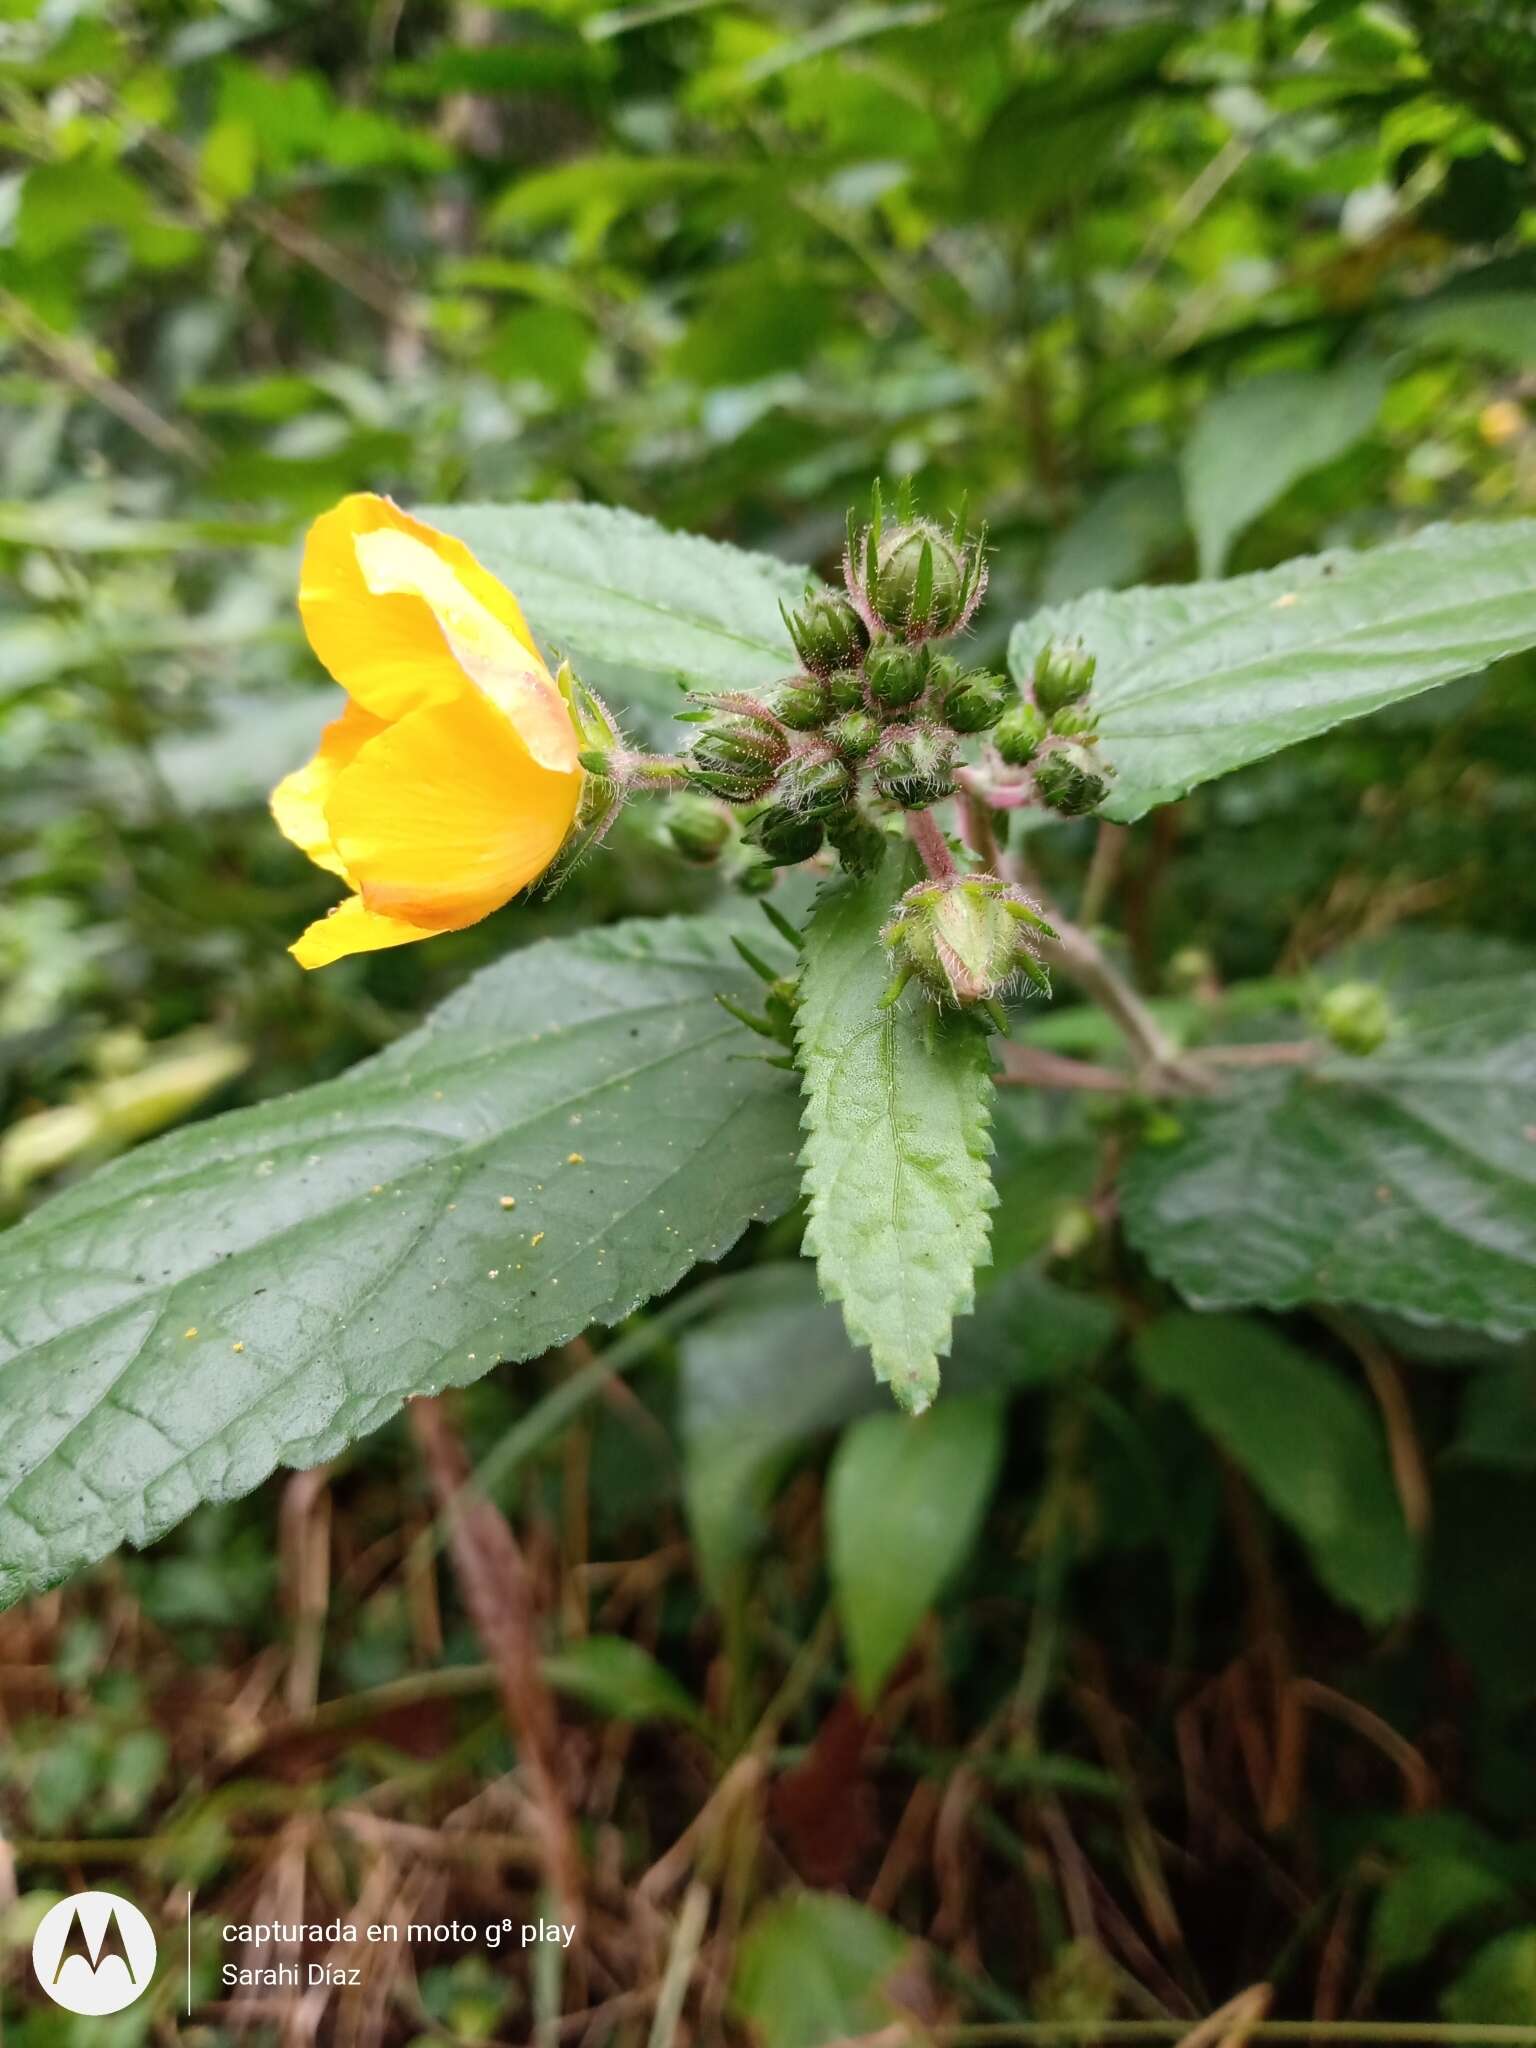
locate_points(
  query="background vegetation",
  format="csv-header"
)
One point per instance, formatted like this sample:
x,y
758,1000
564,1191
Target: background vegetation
x,y
1197,1656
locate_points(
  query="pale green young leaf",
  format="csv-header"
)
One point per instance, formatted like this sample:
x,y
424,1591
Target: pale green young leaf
x,y
1309,1441
1251,443
1197,679
897,1109
563,1139
905,1499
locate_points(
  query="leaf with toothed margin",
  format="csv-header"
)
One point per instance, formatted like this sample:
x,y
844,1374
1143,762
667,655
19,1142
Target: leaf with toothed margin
x,y
561,1140
1197,679
897,1112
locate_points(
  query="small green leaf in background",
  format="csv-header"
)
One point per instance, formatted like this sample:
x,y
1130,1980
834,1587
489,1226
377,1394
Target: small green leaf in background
x,y
619,1678
1501,325
1404,1180
1424,1900
1310,1443
1250,444
1498,1987
640,611
905,1499
262,1288
812,1970
897,1107
1197,679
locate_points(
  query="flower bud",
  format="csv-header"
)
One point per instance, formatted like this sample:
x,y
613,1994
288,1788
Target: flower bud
x,y
800,703
920,577
973,700
814,783
697,828
859,843
1018,734
828,633
845,690
1063,674
1075,722
966,939
854,734
1356,1016
1071,778
914,767
785,836
737,757
896,675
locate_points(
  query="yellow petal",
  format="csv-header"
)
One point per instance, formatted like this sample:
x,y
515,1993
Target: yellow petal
x,y
352,928
401,614
444,816
298,802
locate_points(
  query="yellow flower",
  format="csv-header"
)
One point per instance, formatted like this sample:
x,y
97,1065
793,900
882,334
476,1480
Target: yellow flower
x,y
451,780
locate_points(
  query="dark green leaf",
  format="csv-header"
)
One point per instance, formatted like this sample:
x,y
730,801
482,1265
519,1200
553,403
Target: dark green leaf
x,y
1309,1441
262,1288
616,1677
1405,1180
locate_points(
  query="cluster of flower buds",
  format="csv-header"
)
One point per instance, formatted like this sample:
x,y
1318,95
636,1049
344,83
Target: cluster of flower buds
x,y
966,940
1052,731
876,714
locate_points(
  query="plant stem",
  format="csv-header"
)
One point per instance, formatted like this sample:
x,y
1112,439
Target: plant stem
x,y
928,838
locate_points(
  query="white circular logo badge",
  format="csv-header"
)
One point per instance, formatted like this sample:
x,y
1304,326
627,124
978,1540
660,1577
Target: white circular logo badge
x,y
94,1953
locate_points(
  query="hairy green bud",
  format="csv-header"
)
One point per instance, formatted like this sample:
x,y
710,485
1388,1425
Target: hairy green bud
x,y
920,579
737,756
966,939
800,703
814,783
784,835
858,841
973,701
828,633
1075,722
1071,778
914,767
1356,1016
697,828
1018,733
854,734
1063,674
845,690
896,675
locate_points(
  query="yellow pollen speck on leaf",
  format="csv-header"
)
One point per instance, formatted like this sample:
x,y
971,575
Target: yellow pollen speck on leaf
x,y
237,1347
190,1333
509,1201
575,1159
537,1237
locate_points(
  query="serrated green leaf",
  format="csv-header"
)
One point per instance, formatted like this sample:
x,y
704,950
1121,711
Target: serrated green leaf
x,y
1307,1439
1201,678
1250,444
905,1499
641,612
264,1287
1404,1181
897,1107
